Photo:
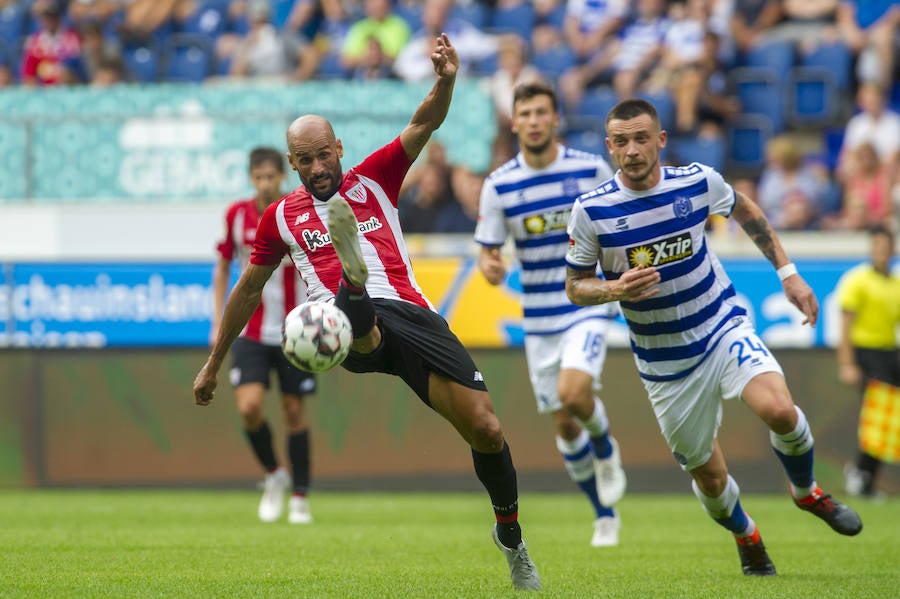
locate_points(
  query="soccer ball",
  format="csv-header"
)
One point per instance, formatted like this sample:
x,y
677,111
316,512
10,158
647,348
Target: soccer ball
x,y
316,336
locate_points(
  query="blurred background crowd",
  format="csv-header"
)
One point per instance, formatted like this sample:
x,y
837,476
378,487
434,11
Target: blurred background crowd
x,y
796,101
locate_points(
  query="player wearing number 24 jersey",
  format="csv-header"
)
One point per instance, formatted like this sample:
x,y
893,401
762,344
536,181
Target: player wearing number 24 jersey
x,y
693,344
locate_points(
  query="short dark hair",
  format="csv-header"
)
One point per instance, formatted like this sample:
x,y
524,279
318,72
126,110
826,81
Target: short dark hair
x,y
882,229
632,108
262,155
526,91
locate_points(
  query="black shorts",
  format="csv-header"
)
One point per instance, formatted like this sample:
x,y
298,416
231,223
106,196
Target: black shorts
x,y
415,342
251,362
879,364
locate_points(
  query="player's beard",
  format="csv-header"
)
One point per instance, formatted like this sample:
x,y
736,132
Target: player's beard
x,y
538,148
641,176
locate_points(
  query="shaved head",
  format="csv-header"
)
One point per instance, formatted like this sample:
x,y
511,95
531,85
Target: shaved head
x,y
315,153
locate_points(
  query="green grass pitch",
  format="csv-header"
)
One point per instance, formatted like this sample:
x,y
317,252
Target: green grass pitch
x,y
126,543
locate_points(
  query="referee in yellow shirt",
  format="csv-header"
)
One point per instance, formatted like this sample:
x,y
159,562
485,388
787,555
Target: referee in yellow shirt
x,y
869,296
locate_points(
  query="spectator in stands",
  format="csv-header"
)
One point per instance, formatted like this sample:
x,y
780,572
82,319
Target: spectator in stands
x,y
375,64
870,29
807,23
866,185
627,60
96,48
330,36
460,215
590,26
144,17
109,70
473,45
876,124
267,53
751,19
420,204
82,12
513,69
52,55
7,78
380,22
790,192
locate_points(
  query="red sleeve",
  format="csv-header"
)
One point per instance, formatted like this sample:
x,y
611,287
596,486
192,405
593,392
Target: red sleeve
x,y
29,60
269,247
387,165
225,246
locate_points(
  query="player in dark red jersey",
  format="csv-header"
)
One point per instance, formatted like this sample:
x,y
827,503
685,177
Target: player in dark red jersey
x,y
342,232
257,351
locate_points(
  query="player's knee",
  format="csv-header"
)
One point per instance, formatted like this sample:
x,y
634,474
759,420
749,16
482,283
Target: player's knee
x,y
486,431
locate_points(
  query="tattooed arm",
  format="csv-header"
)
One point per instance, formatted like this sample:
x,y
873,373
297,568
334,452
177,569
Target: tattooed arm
x,y
751,218
585,289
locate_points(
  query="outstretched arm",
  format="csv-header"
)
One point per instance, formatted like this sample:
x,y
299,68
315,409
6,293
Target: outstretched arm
x,y
434,107
241,303
751,218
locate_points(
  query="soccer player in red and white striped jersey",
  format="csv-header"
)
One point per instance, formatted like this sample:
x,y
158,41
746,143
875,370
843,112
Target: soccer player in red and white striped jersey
x,y
342,232
257,351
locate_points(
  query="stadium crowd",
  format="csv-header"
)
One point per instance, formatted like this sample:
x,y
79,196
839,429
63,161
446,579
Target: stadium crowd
x,y
796,99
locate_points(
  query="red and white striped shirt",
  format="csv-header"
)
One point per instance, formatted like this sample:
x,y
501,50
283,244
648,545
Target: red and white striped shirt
x,y
297,225
284,289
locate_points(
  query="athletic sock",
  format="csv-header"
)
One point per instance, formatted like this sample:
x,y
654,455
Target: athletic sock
x,y
597,426
577,455
726,509
498,475
261,444
357,305
298,454
795,450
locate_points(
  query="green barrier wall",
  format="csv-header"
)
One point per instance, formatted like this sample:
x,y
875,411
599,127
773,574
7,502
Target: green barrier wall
x,y
174,142
127,418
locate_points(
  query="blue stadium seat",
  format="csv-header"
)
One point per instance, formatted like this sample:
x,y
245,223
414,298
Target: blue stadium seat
x,y
665,107
13,20
760,90
187,58
411,12
708,151
811,96
330,67
747,137
589,139
518,18
835,57
556,17
142,61
596,103
555,61
777,55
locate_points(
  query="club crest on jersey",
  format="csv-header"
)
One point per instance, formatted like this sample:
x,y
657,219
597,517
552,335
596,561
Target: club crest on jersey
x,y
664,251
550,221
357,193
682,207
570,187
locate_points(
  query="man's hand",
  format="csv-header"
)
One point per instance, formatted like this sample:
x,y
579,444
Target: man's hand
x,y
205,385
638,283
491,265
444,57
802,296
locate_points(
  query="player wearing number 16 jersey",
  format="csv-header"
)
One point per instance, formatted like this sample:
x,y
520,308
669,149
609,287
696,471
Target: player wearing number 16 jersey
x,y
694,346
529,198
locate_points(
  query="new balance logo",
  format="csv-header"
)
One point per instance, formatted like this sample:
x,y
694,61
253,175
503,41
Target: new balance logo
x,y
478,377
301,218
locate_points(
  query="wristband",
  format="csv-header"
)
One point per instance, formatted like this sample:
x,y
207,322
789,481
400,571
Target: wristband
x,y
787,270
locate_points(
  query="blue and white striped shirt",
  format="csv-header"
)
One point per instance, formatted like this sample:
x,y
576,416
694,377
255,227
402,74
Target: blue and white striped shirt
x,y
672,332
533,205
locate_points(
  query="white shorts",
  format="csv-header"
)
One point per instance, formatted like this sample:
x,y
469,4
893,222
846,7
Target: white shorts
x,y
689,410
581,347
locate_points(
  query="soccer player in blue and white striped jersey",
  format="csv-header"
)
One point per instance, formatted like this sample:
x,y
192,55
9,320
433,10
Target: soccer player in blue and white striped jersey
x,y
693,344
529,198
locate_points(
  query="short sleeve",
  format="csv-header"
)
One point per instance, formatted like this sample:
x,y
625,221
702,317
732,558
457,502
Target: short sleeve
x,y
849,292
268,248
388,166
584,250
721,194
225,246
491,228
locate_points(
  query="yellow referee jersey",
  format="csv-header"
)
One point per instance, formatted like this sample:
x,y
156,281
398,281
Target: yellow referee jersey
x,y
875,299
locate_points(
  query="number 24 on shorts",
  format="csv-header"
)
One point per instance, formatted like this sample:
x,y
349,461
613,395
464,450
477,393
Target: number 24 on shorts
x,y
746,347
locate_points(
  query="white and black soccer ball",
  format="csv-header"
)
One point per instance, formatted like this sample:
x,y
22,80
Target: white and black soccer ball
x,y
316,336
